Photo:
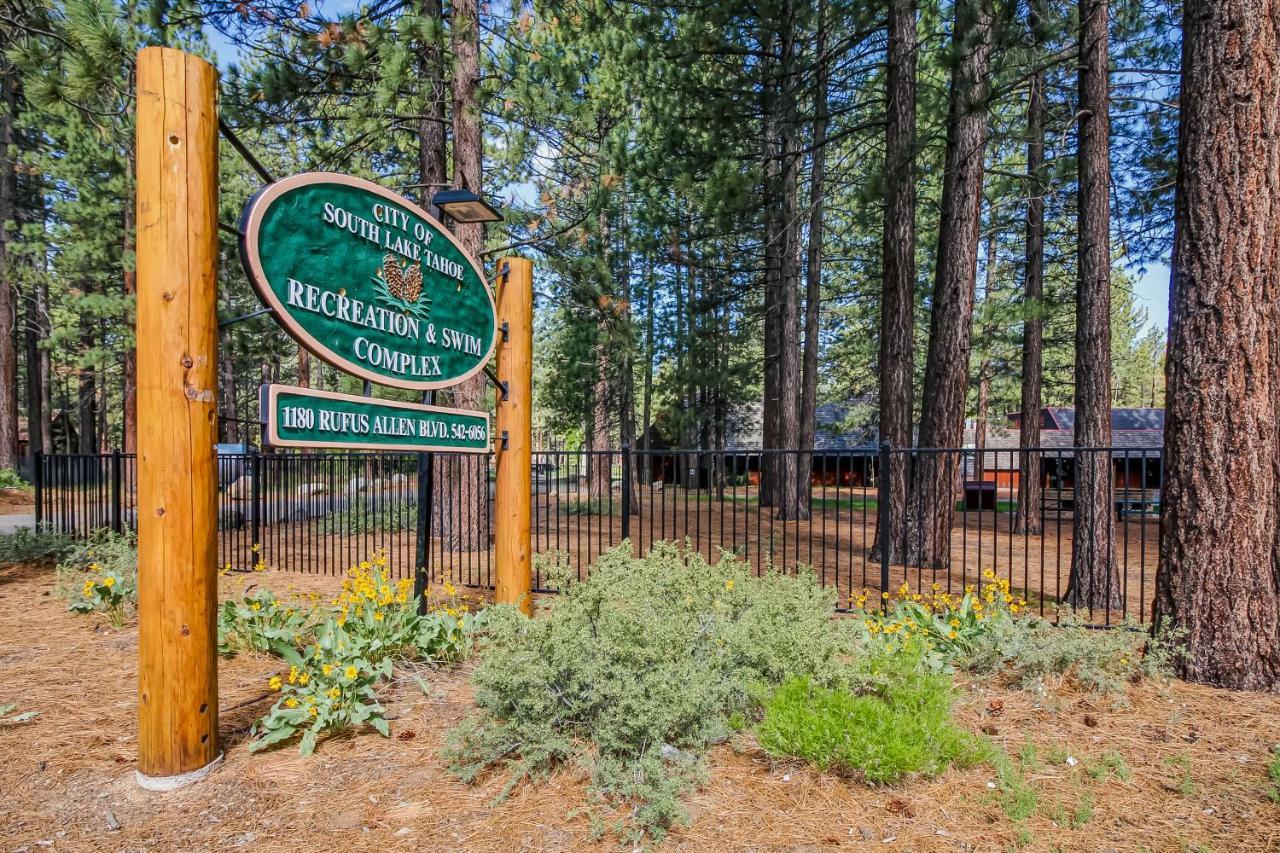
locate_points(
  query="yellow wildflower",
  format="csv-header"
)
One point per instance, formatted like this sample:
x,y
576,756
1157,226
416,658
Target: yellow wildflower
x,y
274,683
291,702
351,671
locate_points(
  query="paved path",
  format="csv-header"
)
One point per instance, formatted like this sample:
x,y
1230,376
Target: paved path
x,y
10,523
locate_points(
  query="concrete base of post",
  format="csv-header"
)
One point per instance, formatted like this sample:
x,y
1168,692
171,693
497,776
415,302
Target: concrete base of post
x,y
173,783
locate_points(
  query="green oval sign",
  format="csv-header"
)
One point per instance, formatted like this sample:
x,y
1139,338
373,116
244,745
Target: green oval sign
x,y
368,281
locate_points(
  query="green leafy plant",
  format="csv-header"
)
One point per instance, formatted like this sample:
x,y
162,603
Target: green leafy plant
x,y
101,575
326,690
636,670
11,479
8,718
27,545
1273,773
938,625
901,726
259,622
339,651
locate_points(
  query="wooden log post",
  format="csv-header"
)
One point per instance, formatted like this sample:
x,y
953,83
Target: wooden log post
x,y
514,440
177,334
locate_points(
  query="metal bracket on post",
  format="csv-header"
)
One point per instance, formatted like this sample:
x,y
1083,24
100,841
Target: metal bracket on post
x,y
497,383
506,332
504,439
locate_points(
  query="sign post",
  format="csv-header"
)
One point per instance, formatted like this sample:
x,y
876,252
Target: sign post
x,y
177,153
514,438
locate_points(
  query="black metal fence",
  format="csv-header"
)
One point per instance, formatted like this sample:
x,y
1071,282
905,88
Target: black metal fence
x,y
322,512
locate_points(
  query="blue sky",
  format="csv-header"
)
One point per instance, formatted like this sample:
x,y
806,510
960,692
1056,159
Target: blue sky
x,y
1152,291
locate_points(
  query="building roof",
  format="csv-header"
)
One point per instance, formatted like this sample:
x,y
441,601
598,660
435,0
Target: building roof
x,y
840,426
1122,420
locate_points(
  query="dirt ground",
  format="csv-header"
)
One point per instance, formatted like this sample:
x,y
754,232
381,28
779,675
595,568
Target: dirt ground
x,y
1195,760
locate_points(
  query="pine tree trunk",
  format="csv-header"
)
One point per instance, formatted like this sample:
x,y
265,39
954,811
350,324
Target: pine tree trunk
x,y
46,367
897,300
8,315
987,335
1030,473
813,268
646,437
1094,582
626,384
1219,577
771,202
791,500
599,462
470,489
931,507
86,399
230,405
129,283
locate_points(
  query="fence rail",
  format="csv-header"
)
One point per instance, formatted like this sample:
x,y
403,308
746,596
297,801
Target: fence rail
x,y
321,512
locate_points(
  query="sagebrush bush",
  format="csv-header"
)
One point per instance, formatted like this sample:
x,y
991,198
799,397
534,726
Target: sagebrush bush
x,y
25,545
880,733
636,670
1033,650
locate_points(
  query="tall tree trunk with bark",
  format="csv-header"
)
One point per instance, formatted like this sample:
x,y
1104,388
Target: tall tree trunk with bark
x,y
897,299
771,151
469,532
982,414
8,314
1219,576
791,499
626,389
230,405
931,506
86,400
1095,582
1030,473
600,460
813,267
646,437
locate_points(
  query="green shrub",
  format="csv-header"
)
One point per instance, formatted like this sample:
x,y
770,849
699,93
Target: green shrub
x,y
387,516
636,670
901,727
25,545
592,506
101,575
1101,660
11,479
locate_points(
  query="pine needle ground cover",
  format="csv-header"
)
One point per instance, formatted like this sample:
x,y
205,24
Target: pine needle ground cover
x,y
1153,763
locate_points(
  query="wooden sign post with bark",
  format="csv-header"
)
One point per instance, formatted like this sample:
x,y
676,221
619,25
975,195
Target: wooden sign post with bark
x,y
440,330
177,148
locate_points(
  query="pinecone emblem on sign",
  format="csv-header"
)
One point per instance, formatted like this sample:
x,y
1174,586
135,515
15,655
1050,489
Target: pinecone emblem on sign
x,y
404,283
